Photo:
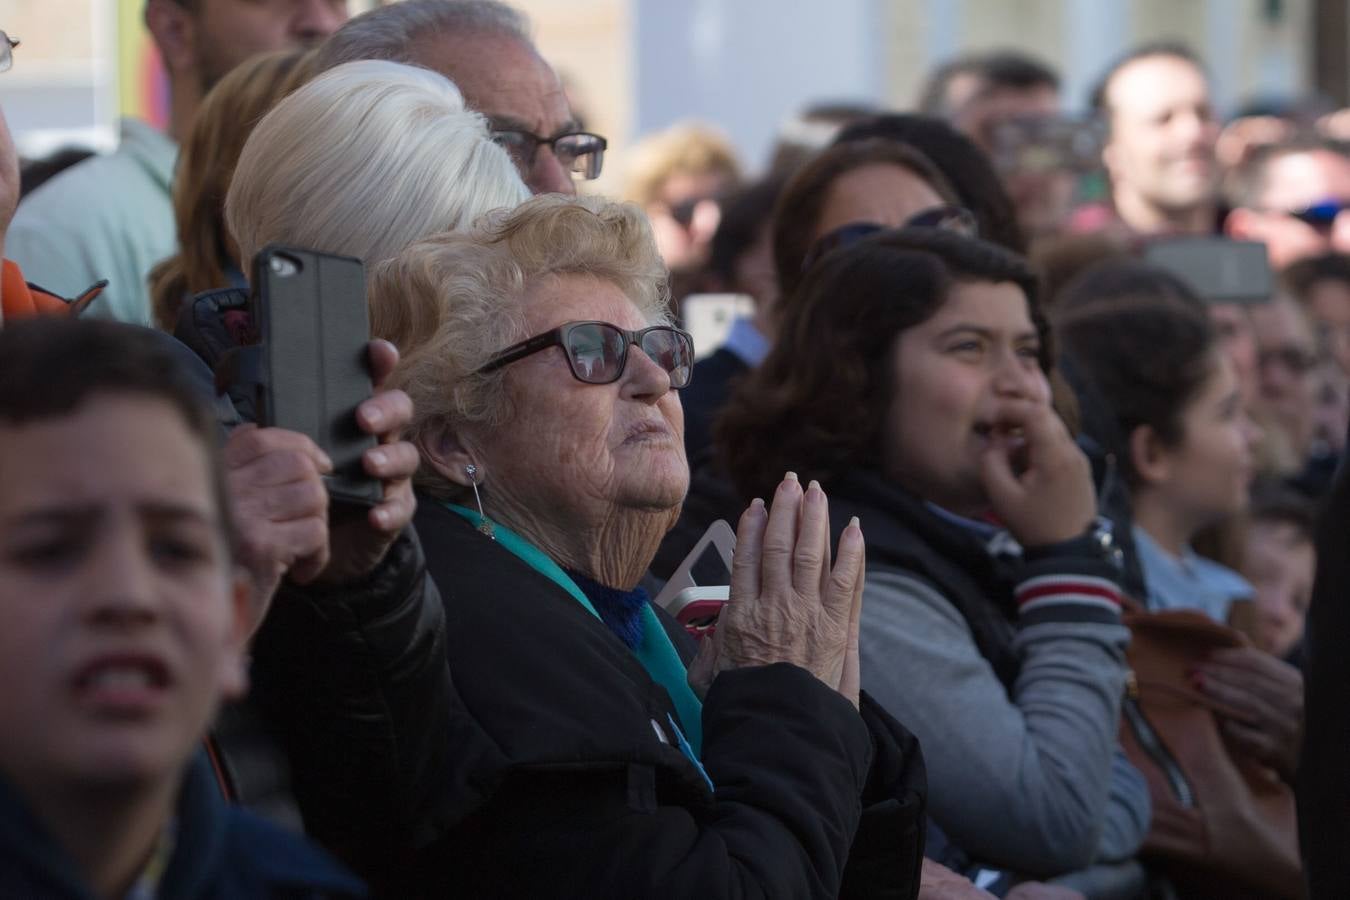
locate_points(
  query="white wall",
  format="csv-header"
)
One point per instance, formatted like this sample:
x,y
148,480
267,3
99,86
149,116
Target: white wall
x,y
749,64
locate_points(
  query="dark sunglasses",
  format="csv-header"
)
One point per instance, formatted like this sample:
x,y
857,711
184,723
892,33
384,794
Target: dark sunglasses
x,y
946,218
597,352
1319,215
580,153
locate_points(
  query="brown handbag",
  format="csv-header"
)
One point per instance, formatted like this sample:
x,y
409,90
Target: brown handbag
x,y
1224,826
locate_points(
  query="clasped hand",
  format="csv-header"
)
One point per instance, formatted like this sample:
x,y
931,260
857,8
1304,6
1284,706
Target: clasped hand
x,y
788,602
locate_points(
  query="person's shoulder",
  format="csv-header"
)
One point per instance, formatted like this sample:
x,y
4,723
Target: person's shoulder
x,y
265,860
1221,578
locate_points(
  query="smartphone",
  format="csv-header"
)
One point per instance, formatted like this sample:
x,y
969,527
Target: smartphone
x,y
314,326
700,587
1218,269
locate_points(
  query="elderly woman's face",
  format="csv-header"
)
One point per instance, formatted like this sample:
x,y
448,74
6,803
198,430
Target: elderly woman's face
x,y
584,448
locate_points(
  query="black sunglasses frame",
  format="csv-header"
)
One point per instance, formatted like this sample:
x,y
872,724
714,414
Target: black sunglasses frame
x,y
526,161
956,219
557,337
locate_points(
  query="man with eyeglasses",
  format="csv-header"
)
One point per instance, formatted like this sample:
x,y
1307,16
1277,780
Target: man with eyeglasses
x,y
111,216
1294,196
484,47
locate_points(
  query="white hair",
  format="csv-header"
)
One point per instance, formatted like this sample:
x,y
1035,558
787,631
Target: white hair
x,y
362,161
392,32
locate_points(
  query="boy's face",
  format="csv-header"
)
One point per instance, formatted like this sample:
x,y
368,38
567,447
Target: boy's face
x,y
121,622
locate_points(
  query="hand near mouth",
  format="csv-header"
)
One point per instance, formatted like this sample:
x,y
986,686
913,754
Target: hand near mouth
x,y
1038,482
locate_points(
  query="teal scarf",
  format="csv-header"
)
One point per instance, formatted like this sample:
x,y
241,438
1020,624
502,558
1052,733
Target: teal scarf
x,y
656,652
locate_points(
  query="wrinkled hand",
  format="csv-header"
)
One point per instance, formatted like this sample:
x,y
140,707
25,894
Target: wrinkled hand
x,y
280,505
1268,693
788,603
937,882
360,538
1039,485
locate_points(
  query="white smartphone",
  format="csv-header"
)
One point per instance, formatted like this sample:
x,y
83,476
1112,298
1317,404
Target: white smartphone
x,y
701,585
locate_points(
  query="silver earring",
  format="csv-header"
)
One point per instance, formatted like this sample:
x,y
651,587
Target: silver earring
x,y
484,525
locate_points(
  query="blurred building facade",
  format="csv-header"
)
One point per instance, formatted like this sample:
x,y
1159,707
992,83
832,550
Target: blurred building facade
x,y
634,66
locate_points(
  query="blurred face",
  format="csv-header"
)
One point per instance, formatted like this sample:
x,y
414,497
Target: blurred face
x,y
882,194
954,376
510,84
1161,147
1287,355
580,450
1205,477
121,626
230,31
1237,341
1042,198
1295,182
1329,303
1280,562
686,216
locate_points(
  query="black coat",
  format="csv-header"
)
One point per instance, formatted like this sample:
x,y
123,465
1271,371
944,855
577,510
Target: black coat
x,y
220,852
715,375
1324,770
567,783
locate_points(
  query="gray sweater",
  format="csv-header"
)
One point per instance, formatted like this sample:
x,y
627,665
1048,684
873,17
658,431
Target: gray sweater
x,y
1034,781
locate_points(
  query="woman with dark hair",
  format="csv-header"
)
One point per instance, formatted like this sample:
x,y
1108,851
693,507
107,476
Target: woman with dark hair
x,y
1175,422
962,163
910,378
870,182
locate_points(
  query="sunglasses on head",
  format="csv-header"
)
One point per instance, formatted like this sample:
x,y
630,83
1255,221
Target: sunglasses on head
x,y
945,218
597,352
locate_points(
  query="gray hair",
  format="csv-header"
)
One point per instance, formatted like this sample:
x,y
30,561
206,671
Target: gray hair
x,y
362,161
391,32
450,302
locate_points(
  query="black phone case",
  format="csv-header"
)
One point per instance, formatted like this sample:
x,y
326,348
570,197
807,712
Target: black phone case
x,y
314,324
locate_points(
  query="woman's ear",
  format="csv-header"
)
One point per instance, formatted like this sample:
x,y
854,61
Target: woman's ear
x,y
448,454
1149,455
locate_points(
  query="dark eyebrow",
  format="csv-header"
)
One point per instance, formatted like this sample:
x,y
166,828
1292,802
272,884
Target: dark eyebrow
x,y
159,512
986,333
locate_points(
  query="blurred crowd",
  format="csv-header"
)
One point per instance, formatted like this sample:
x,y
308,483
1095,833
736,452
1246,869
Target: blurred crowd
x,y
1027,427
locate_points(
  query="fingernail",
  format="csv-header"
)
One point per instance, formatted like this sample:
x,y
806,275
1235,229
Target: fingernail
x,y
382,516
757,503
373,416
790,476
814,489
325,460
379,458
855,523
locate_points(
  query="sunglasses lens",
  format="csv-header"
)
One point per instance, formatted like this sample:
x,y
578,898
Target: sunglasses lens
x,y
596,352
1320,215
672,351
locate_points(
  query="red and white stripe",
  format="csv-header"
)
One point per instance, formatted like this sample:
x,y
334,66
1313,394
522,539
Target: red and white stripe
x,y
1052,590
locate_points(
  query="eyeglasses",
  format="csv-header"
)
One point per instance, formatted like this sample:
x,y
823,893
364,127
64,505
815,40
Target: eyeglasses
x,y
597,352
1321,216
956,219
580,152
7,45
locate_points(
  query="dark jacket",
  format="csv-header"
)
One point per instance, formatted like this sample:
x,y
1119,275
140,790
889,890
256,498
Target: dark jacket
x,y
713,379
220,852
342,678
567,779
1324,769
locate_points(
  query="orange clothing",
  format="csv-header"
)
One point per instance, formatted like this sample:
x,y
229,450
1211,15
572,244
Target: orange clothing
x,y
21,300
